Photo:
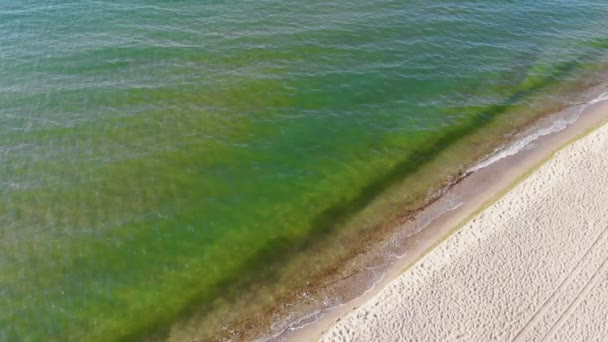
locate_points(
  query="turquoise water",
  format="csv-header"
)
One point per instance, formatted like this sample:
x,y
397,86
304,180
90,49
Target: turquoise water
x,y
158,156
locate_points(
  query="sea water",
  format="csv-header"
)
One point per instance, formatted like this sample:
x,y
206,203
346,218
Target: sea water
x,y
162,160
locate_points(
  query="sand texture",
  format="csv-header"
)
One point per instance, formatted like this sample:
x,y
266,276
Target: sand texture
x,y
530,267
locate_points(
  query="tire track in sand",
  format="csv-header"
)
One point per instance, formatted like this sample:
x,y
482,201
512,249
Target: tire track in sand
x,y
579,298
560,304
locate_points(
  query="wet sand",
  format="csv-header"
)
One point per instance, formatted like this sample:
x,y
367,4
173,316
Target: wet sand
x,y
532,265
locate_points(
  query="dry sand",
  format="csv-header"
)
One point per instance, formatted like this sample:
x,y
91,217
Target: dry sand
x,y
533,266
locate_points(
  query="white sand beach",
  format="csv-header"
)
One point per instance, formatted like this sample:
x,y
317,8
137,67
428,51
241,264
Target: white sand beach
x,y
532,266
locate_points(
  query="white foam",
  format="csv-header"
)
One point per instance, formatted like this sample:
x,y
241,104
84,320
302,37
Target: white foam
x,y
525,143
426,218
599,99
313,317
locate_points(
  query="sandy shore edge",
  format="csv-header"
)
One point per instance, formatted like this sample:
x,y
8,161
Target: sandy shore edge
x,y
387,305
479,190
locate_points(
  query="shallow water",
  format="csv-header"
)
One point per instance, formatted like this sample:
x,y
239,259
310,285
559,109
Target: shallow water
x,y
156,153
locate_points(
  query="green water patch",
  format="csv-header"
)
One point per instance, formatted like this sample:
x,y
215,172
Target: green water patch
x,y
134,237
168,171
324,225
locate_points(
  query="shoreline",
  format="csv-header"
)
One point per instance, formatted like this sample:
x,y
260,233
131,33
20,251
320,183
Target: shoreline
x,y
533,256
443,217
